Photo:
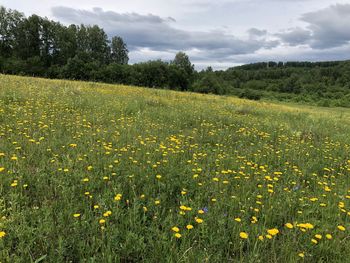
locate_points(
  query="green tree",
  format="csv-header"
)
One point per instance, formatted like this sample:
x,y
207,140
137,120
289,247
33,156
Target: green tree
x,y
119,51
183,61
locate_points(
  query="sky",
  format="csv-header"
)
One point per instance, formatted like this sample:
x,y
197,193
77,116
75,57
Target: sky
x,y
221,33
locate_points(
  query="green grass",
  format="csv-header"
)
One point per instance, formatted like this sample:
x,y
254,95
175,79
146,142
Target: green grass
x,y
70,148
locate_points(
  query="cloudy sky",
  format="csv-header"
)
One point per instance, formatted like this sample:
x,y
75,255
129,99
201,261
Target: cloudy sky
x,y
219,33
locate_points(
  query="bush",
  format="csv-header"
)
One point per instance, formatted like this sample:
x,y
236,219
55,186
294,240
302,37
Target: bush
x,y
250,94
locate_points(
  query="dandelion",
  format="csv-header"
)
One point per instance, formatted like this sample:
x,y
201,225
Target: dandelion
x,y
76,215
175,229
107,213
243,235
118,197
178,235
102,221
329,236
237,219
341,228
2,234
273,231
314,241
301,254
189,227
199,220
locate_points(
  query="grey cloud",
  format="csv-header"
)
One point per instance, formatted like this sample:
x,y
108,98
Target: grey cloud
x,y
254,32
295,36
156,33
329,26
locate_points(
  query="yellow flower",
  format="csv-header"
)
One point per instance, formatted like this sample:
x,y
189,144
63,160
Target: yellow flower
x,y
107,214
237,219
175,229
201,211
289,225
199,220
261,238
189,227
2,234
273,231
269,236
102,221
243,235
157,202
314,241
329,236
118,197
178,235
76,215
318,236
341,228
301,254
2,169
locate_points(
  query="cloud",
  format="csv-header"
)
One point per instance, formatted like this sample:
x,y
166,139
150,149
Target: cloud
x,y
329,26
326,28
295,36
160,34
321,35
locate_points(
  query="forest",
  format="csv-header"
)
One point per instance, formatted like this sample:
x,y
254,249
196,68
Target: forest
x,y
37,46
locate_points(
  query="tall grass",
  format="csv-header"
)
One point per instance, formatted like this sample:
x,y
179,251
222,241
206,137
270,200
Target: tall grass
x,y
105,173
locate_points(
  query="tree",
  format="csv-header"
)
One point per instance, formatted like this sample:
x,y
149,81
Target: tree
x,y
119,51
9,23
183,61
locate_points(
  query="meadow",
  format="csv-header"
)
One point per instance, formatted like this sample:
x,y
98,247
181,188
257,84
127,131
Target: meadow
x,y
105,173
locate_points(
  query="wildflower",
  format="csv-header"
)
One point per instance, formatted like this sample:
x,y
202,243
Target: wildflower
x,y
199,220
301,254
2,234
273,231
237,219
243,235
189,227
261,238
118,197
107,214
329,236
102,221
2,169
178,235
341,228
318,236
314,241
289,225
175,229
76,215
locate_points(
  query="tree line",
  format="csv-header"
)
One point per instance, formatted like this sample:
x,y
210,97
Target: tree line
x,y
37,46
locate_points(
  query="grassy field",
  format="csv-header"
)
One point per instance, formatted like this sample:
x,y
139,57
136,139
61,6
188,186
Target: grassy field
x,y
104,173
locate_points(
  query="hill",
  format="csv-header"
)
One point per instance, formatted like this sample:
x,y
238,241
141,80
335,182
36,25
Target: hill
x,y
109,173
